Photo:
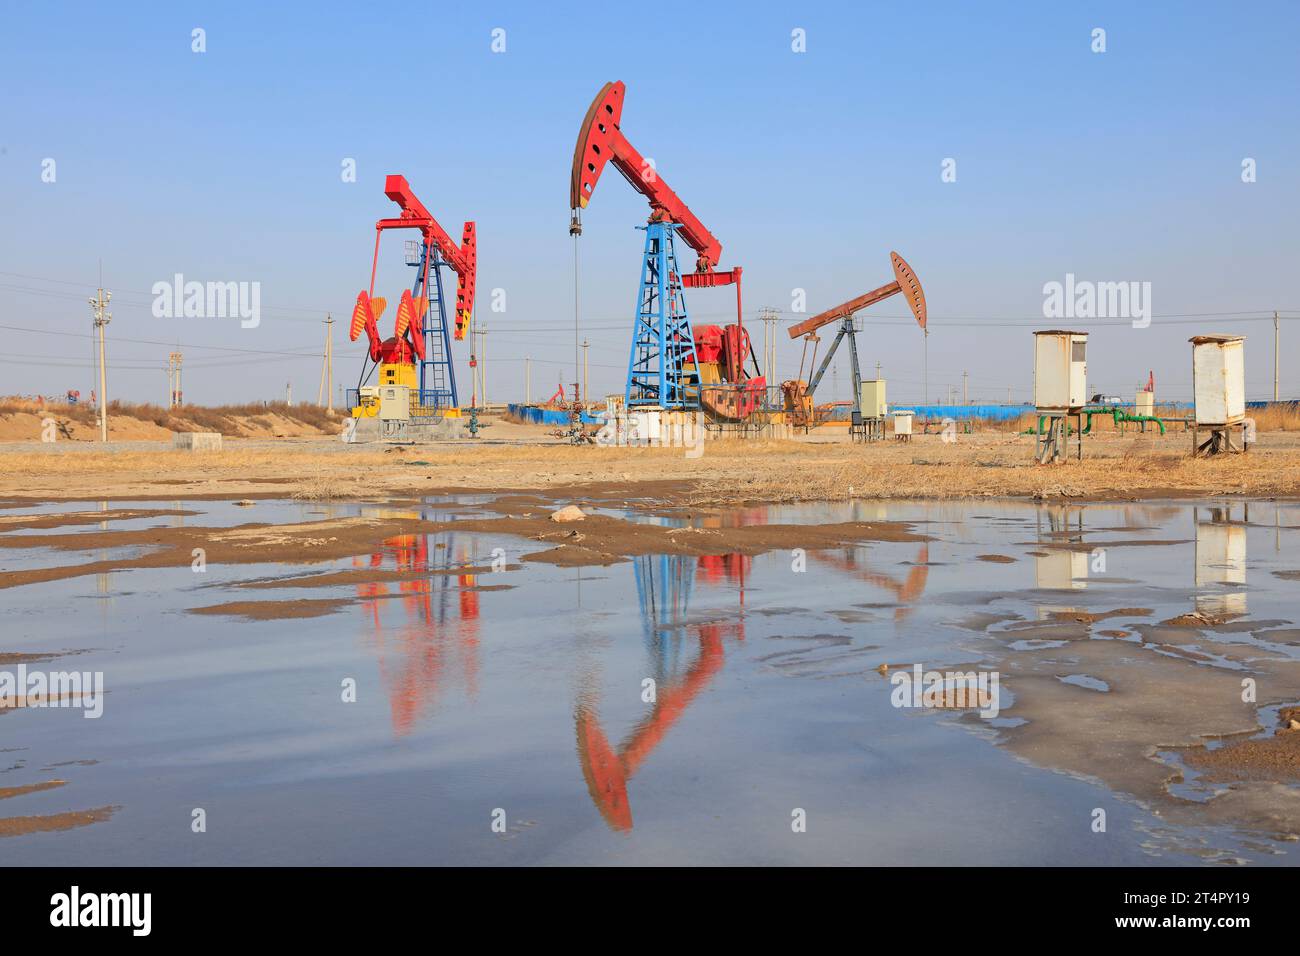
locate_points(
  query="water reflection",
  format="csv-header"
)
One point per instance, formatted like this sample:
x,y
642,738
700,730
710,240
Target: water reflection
x,y
1058,568
685,634
765,685
906,590
1221,558
664,585
440,629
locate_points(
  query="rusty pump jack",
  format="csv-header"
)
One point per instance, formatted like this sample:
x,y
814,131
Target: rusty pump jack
x,y
798,395
668,364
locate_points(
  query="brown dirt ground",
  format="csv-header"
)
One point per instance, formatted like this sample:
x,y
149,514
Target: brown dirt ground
x,y
987,464
21,826
597,540
275,610
1264,758
1092,617
22,425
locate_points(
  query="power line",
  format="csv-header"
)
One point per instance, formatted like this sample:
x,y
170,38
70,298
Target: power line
x,y
985,321
218,348
84,285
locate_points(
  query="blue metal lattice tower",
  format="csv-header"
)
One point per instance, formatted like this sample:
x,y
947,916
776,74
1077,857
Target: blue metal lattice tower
x,y
661,369
437,372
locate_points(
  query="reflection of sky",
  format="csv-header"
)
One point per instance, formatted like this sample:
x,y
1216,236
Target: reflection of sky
x,y
467,698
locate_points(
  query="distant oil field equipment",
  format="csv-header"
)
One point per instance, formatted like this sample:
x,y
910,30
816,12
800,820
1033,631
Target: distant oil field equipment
x,y
798,393
902,425
1219,386
1145,401
1060,390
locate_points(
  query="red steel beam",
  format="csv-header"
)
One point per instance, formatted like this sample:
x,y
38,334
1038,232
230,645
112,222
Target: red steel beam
x,y
601,141
905,280
463,259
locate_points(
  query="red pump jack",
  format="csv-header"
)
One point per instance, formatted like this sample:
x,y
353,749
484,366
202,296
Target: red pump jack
x,y
720,354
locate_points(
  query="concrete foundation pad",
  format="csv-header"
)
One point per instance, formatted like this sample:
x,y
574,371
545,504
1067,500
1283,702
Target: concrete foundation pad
x,y
409,432
197,441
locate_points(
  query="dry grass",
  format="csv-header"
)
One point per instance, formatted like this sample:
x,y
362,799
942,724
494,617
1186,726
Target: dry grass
x,y
78,413
325,486
229,420
1284,417
728,472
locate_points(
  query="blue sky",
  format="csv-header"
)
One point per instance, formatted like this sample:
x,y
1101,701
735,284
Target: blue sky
x,y
810,167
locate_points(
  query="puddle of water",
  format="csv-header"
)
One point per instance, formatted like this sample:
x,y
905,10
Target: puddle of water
x,y
666,709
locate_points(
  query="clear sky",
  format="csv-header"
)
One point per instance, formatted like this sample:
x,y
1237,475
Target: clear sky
x,y
810,167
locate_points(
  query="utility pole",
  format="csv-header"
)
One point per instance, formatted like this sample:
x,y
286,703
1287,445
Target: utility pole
x,y
1276,338
327,368
288,393
769,317
482,367
965,394
877,371
528,380
174,394
585,394
102,318
925,366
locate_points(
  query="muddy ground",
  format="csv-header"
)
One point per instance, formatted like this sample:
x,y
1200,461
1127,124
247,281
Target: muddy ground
x,y
1139,743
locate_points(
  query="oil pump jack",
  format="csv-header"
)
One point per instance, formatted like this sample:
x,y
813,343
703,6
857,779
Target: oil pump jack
x,y
421,334
670,366
797,393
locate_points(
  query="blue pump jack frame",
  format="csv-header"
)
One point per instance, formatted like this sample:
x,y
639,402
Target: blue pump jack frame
x,y
437,371
662,369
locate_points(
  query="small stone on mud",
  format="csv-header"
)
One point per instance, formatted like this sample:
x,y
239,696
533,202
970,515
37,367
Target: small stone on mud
x,y
1194,619
568,513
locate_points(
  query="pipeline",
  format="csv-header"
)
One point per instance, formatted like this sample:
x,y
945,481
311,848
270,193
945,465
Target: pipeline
x,y
1118,415
1069,429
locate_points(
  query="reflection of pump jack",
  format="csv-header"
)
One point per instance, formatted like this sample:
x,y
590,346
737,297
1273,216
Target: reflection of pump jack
x,y
664,586
412,657
606,771
908,591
